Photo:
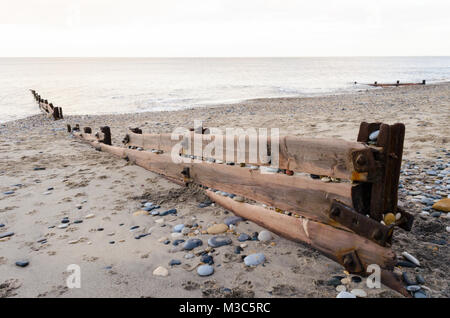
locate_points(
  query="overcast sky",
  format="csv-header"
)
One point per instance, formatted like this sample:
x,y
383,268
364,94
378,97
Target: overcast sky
x,y
224,27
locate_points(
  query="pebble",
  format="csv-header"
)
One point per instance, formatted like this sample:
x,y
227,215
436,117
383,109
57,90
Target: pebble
x,y
2,225
264,236
178,228
78,221
89,216
65,220
63,226
191,244
140,212
407,280
436,214
233,220
340,288
411,258
238,198
344,294
176,235
148,204
254,259
406,264
189,256
335,281
176,242
217,241
6,234
205,270
243,237
8,192
22,263
356,279
207,259
174,262
374,135
161,271
413,288
134,227
420,294
442,205
238,250
217,229
447,228
171,211
359,293
389,218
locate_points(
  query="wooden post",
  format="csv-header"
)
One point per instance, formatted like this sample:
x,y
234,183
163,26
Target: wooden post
x,y
107,135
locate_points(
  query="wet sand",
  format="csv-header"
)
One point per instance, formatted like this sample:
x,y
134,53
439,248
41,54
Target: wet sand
x,y
85,182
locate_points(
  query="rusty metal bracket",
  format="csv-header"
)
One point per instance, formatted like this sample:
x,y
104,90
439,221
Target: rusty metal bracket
x,y
186,174
351,262
361,224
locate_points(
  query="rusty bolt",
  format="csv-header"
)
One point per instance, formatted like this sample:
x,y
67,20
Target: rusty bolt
x,y
348,261
335,211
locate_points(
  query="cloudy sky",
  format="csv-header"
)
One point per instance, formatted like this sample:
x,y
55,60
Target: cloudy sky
x,y
224,27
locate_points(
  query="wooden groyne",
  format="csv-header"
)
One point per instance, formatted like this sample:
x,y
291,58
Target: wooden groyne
x,y
397,84
47,108
350,219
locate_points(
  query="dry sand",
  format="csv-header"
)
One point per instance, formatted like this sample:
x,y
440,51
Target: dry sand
x,y
112,189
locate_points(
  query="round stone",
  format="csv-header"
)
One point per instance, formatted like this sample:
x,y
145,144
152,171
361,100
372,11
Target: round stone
x,y
205,270
233,220
243,237
374,135
264,236
178,228
218,241
191,244
411,258
341,288
359,292
22,263
389,218
413,288
161,271
174,262
189,256
238,198
344,294
207,259
217,229
254,259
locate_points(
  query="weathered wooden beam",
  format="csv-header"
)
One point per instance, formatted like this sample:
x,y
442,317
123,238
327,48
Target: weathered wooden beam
x,y
299,194
330,157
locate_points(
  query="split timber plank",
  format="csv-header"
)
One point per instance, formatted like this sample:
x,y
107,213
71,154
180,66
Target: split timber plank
x,y
330,157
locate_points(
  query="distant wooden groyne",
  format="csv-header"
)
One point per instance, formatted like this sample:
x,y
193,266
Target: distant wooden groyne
x,y
376,84
47,108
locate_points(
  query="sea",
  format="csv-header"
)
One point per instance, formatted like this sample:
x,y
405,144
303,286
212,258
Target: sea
x,y
130,85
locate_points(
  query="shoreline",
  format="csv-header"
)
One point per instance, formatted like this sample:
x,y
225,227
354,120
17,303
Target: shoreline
x,y
84,181
362,90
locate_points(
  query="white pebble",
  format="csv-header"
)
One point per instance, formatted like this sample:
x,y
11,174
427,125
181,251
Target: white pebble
x,y
411,258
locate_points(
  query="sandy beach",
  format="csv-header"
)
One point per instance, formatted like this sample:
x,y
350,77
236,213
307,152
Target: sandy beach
x,y
75,181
